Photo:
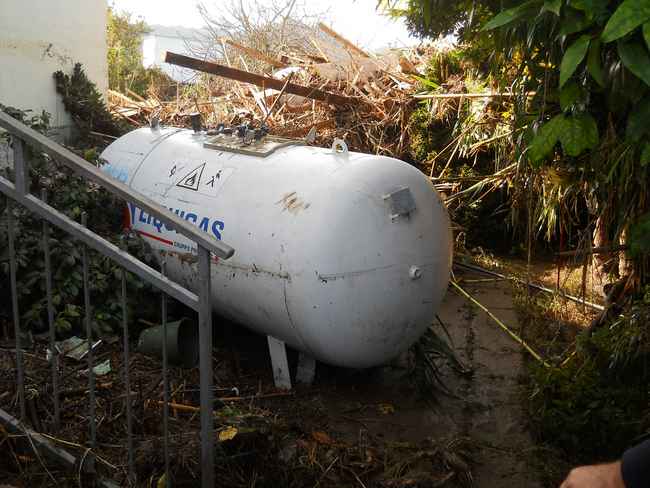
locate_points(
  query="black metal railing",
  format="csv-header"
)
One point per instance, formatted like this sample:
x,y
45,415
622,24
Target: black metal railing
x,y
19,192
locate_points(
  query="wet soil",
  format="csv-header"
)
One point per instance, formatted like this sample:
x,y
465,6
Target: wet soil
x,y
369,428
486,406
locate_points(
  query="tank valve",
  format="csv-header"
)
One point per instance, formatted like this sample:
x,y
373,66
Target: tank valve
x,y
415,273
339,147
195,120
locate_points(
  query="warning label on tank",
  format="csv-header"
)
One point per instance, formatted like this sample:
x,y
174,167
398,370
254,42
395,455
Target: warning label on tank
x,y
205,178
192,180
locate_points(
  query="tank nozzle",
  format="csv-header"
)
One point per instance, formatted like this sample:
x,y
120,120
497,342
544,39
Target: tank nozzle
x,y
195,120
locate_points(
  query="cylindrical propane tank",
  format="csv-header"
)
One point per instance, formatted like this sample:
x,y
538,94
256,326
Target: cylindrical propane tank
x,y
344,256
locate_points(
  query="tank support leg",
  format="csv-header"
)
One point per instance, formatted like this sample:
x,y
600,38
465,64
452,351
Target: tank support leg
x,y
279,363
306,369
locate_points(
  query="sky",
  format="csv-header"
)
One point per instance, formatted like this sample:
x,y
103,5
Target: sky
x,y
357,20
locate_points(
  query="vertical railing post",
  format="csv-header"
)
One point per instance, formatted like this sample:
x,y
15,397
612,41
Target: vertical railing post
x,y
165,374
205,365
11,231
127,381
89,338
21,183
21,166
50,317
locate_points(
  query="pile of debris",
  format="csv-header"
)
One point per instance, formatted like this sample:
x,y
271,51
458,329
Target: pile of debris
x,y
336,88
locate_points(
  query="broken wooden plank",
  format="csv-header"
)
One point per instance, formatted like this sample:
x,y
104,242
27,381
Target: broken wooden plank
x,y
255,54
320,51
258,80
350,45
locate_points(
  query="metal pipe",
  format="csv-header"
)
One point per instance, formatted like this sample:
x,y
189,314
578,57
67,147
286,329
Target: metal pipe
x,y
11,231
89,338
127,382
165,378
21,166
92,173
100,244
471,267
50,317
205,362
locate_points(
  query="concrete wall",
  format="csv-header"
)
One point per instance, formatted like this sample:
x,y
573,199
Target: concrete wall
x,y
39,37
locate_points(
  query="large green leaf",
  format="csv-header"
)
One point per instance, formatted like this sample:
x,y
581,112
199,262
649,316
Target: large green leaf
x,y
427,11
512,14
646,33
569,95
573,21
635,58
594,64
592,8
627,17
426,82
578,133
548,135
639,240
645,155
553,6
638,122
573,57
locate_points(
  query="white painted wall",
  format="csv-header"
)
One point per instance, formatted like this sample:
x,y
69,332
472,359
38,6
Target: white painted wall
x,y
39,37
178,40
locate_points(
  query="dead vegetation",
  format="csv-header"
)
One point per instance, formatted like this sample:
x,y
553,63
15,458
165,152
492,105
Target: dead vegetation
x,y
379,90
265,437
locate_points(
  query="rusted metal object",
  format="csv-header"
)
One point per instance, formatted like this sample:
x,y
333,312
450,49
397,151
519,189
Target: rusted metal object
x,y
258,80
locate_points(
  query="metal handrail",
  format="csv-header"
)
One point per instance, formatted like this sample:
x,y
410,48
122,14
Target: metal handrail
x,y
117,188
19,191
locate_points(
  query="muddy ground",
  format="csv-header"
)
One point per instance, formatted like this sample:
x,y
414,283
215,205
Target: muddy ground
x,y
486,406
351,428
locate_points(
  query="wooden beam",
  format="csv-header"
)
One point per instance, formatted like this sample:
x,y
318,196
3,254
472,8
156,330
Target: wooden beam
x,y
258,80
351,46
255,54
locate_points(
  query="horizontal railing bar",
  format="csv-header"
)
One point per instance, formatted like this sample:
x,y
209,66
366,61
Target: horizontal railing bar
x,y
46,448
90,172
100,244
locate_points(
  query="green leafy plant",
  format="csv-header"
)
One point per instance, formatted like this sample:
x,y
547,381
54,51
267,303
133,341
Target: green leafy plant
x,y
593,406
72,196
639,241
124,36
85,104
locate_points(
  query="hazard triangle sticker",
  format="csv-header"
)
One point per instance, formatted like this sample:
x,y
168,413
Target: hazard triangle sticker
x,y
192,179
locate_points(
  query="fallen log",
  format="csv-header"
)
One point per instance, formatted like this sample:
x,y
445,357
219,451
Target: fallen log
x,y
258,80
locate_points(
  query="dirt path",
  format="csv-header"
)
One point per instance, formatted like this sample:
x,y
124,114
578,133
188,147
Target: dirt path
x,y
487,406
490,410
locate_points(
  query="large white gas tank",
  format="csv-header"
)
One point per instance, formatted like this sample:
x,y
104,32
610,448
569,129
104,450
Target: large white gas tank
x,y
344,256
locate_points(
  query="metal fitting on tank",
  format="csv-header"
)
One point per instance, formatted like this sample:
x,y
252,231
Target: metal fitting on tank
x,y
195,120
415,272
